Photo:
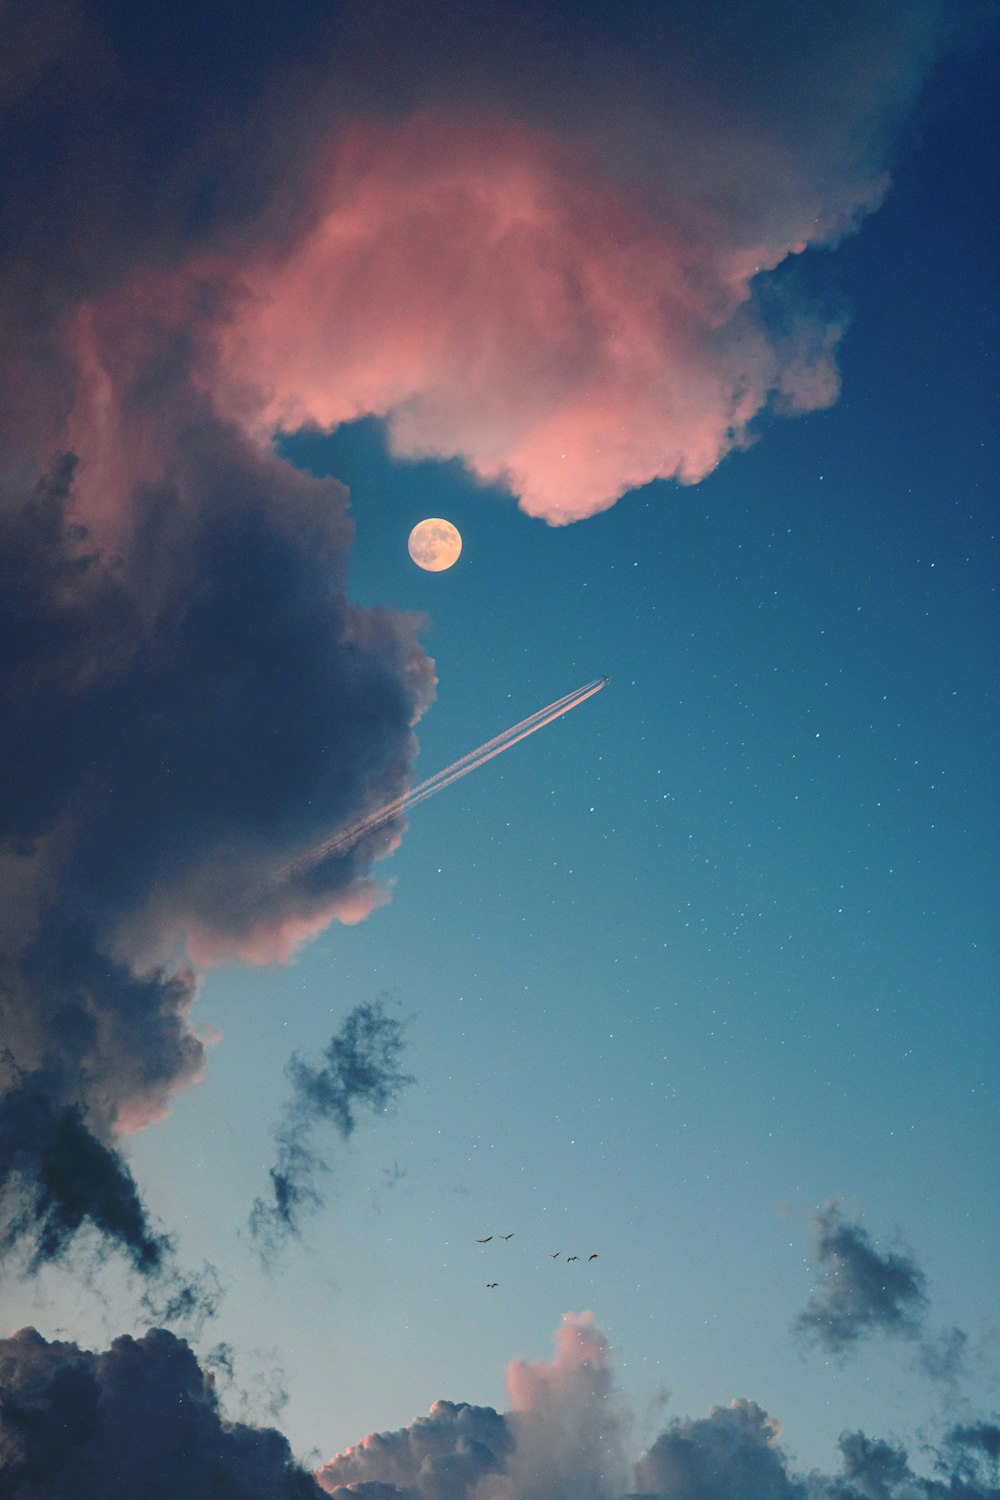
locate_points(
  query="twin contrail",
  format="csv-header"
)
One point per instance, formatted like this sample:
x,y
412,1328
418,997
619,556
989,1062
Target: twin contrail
x,y
343,840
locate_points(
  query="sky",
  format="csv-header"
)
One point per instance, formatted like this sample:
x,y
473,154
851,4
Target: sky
x,y
686,317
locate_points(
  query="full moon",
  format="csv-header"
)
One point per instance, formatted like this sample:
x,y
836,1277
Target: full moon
x,y
434,544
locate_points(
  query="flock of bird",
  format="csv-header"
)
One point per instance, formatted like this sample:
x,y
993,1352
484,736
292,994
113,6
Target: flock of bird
x,y
553,1254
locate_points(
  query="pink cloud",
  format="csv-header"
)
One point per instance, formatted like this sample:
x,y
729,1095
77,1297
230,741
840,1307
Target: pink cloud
x,y
273,939
483,287
568,1425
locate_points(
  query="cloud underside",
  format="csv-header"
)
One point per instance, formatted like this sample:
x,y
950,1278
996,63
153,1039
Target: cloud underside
x,y
189,712
142,1418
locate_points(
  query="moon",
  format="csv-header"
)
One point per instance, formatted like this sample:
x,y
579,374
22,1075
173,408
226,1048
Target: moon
x,y
435,544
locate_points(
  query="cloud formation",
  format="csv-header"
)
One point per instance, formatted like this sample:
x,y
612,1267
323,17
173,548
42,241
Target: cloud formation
x,y
143,1418
731,1453
186,714
861,1291
359,1070
140,1418
572,293
213,225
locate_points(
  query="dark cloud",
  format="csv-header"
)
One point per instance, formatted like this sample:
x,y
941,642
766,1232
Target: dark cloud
x,y
728,1455
140,1418
188,699
359,1069
972,1451
183,714
143,1419
873,1469
57,1176
861,1291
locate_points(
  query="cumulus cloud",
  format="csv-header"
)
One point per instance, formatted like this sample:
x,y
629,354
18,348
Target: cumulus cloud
x,y
186,714
731,1453
557,265
569,1427
140,1418
359,1070
143,1418
541,242
189,699
861,1291
441,1456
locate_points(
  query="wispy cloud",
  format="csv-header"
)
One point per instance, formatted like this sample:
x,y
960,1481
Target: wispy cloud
x,y
359,1070
862,1291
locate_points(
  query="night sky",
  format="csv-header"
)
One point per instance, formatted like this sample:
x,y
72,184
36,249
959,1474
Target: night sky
x,y
686,316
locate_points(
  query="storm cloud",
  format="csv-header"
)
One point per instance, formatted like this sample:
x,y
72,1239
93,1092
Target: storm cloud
x,y
359,1070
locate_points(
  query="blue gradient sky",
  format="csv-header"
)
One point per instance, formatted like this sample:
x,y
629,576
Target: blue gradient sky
x,y
715,948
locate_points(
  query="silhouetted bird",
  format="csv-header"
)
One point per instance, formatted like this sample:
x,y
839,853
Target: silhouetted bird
x,y
485,1241
571,1257
506,1236
555,1255
595,1256
491,1284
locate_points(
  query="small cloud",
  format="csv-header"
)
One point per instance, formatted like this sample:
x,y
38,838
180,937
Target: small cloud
x,y
359,1070
943,1356
861,1291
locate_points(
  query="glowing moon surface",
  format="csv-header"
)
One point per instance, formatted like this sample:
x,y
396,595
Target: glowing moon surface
x,y
434,544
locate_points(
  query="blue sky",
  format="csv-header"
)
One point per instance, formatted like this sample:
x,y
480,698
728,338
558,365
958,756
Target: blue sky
x,y
713,950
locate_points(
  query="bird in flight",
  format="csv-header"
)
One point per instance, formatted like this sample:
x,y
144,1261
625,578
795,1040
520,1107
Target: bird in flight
x,y
555,1255
485,1241
595,1256
571,1257
491,1284
507,1236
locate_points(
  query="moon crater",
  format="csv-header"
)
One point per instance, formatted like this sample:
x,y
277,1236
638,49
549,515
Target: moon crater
x,y
434,544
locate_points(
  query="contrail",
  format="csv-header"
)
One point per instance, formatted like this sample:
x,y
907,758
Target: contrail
x,y
436,783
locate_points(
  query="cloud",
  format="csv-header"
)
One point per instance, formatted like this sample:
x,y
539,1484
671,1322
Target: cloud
x,y
442,1456
544,244
862,1292
731,1453
569,1428
188,708
140,1418
560,272
359,1070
